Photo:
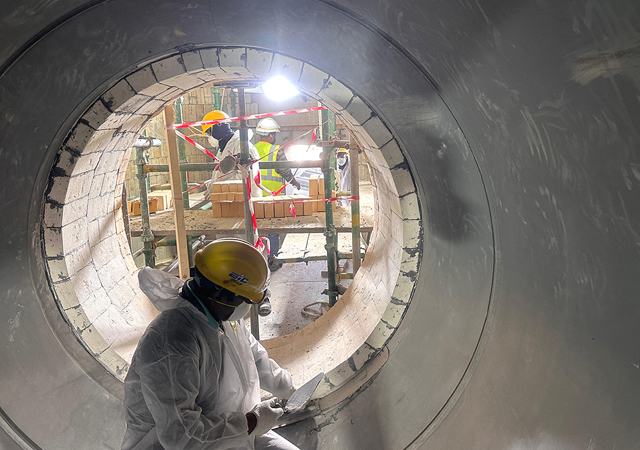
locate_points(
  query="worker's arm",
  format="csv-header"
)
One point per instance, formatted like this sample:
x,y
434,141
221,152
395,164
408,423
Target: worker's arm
x,y
170,386
285,172
273,378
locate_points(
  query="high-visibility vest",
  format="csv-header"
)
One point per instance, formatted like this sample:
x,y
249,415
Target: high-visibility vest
x,y
269,177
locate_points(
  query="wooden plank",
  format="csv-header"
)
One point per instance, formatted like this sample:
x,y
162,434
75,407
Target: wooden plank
x,y
176,192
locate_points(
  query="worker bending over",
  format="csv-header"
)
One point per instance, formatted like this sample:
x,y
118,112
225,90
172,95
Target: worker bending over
x,y
273,179
220,135
196,375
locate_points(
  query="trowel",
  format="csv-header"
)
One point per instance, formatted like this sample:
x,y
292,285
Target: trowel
x,y
301,396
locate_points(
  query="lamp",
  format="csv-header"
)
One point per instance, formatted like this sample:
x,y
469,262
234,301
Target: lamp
x,y
278,88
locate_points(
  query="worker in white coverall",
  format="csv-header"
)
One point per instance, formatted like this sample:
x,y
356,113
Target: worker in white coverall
x,y
195,377
228,142
344,169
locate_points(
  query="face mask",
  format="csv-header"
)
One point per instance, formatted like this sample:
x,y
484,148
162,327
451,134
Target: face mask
x,y
342,161
213,142
240,311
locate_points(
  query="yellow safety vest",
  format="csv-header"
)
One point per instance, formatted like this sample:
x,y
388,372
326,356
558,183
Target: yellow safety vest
x,y
269,177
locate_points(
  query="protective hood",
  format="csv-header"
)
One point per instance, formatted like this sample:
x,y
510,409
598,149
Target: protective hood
x,y
162,288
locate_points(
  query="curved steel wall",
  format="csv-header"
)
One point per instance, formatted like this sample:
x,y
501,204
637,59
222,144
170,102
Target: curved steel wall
x,y
520,120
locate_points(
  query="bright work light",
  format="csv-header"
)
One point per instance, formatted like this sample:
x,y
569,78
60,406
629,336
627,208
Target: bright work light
x,y
278,88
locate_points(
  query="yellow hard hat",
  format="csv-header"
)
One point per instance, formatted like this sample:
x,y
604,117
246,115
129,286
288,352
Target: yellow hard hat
x,y
212,115
235,265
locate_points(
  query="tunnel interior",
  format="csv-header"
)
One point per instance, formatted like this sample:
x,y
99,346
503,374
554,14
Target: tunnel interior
x,y
500,290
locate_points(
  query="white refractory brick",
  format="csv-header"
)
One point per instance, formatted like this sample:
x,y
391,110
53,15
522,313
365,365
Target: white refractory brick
x,y
403,289
142,80
97,114
233,60
393,314
66,161
335,94
79,186
358,110
409,206
109,185
377,131
312,79
74,235
410,260
111,274
57,269
403,181
66,295
210,59
108,324
78,259
93,340
134,103
52,215
79,137
85,283
115,120
135,122
118,95
338,376
396,224
75,210
170,94
108,163
94,232
378,338
362,355
259,61
99,141
58,190
185,81
151,107
111,359
287,67
96,186
168,68
107,226
102,253
86,163
53,242
78,319
192,61
411,233
392,153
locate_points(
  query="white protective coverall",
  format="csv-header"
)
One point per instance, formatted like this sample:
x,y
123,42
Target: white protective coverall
x,y
233,148
344,169
190,385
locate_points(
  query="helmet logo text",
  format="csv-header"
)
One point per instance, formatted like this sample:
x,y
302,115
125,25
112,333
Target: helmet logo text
x,y
238,278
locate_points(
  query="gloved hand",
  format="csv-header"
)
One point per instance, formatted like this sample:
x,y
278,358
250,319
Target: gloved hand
x,y
296,183
267,414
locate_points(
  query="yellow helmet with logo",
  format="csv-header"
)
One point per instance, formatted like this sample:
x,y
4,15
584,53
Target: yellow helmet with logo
x,y
235,265
212,115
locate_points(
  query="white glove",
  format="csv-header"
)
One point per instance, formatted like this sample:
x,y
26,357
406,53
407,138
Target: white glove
x,y
267,414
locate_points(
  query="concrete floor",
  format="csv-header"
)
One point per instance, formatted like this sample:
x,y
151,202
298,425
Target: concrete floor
x,y
293,287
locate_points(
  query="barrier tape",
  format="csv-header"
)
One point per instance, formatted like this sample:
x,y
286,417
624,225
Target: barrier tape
x,y
198,146
253,116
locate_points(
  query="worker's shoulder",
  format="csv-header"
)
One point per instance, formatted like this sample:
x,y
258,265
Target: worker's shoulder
x,y
174,330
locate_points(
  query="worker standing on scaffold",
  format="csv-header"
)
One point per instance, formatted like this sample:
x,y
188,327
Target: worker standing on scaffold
x,y
273,180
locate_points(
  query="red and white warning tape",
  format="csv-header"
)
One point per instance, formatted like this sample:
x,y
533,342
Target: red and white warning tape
x,y
198,146
253,116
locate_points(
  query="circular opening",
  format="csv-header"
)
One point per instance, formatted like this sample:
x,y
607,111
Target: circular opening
x,y
89,257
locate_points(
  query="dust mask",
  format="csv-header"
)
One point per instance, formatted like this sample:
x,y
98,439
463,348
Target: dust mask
x,y
240,311
213,142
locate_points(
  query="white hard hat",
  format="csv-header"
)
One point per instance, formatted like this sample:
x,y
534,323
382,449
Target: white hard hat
x,y
267,126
